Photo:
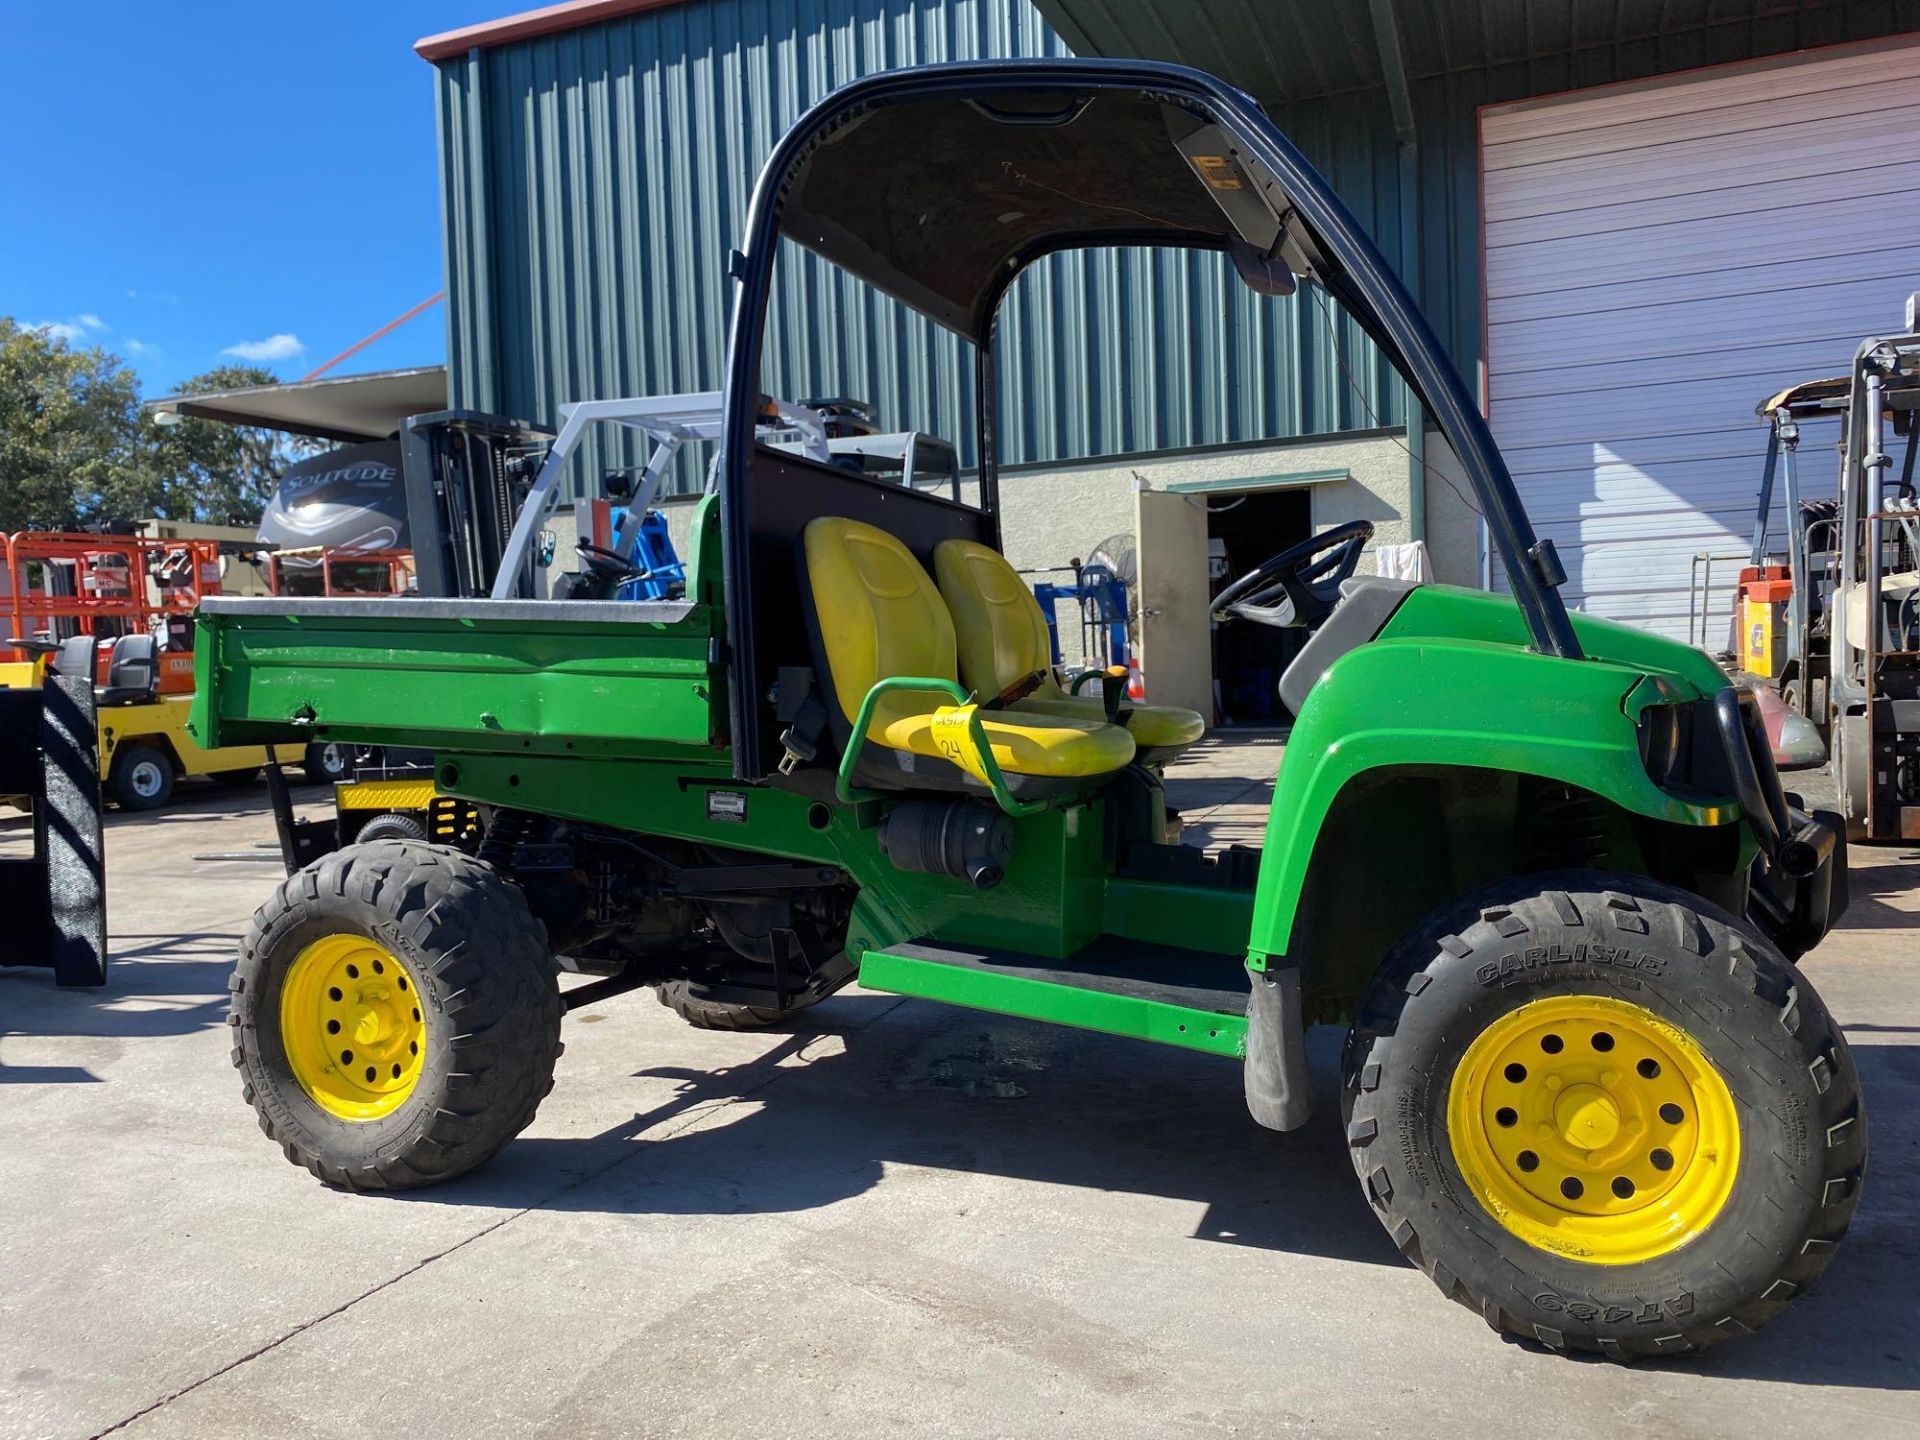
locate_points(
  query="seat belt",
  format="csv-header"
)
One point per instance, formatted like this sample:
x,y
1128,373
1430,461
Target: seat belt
x,y
797,701
1019,690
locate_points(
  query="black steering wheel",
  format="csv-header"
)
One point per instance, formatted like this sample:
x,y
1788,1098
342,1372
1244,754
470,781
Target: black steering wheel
x,y
1299,587
608,565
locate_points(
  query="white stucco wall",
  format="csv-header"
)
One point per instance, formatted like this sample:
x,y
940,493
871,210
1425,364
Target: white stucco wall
x,y
1050,515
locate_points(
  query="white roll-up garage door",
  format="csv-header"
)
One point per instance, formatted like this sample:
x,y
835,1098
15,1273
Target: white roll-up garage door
x,y
1661,258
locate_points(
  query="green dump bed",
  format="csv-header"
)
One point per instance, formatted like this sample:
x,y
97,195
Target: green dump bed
x,y
593,677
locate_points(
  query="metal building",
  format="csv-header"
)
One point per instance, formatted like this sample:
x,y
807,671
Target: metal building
x,y
1628,221
595,177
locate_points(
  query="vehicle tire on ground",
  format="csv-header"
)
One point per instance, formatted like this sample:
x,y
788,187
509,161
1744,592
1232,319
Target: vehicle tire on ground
x,y
392,825
141,778
235,779
327,763
396,1015
1604,1114
704,1014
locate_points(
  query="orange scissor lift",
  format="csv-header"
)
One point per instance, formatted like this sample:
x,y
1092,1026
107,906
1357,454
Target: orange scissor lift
x,y
118,609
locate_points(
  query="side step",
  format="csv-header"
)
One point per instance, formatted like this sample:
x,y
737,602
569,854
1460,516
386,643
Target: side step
x,y
1190,998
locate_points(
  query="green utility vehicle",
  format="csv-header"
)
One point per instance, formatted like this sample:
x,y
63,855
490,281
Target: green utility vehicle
x,y
1539,865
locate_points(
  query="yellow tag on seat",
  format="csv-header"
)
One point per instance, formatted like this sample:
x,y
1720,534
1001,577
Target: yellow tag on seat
x,y
951,728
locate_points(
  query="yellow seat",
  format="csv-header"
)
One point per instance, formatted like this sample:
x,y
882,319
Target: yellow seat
x,y
876,614
1002,640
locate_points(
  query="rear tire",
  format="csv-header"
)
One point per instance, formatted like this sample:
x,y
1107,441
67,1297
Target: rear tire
x,y
142,777
702,1014
393,825
1670,975
475,984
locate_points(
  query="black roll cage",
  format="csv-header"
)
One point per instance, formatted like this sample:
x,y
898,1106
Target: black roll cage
x,y
1358,277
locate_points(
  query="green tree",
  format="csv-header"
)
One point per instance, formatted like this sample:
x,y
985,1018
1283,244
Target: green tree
x,y
207,470
70,434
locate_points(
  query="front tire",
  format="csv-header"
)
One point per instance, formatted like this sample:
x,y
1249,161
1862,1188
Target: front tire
x,y
396,1015
1604,1114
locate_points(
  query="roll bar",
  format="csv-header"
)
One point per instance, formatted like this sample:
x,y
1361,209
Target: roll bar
x,y
1317,231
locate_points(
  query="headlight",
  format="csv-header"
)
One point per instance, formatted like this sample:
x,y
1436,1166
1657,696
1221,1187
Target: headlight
x,y
1665,735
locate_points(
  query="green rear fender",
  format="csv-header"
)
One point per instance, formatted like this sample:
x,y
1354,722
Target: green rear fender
x,y
1423,701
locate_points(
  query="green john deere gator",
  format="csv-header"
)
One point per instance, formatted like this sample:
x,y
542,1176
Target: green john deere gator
x,y
1539,865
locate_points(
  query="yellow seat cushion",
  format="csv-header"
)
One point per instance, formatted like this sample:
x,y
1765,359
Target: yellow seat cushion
x,y
1153,727
879,615
1024,744
1001,636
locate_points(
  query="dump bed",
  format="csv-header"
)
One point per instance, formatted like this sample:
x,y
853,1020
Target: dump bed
x,y
589,677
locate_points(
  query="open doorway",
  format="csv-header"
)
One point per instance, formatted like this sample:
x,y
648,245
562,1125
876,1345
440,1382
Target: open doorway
x,y
1242,532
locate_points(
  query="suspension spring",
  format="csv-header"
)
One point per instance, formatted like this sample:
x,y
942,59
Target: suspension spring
x,y
509,827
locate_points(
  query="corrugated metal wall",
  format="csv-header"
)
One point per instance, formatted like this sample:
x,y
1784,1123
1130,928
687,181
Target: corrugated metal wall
x,y
594,181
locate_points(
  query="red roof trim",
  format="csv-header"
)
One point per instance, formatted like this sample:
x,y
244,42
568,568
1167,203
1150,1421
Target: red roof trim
x,y
569,15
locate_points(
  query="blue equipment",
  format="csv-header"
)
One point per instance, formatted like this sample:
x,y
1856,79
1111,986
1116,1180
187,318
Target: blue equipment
x,y
649,548
1102,598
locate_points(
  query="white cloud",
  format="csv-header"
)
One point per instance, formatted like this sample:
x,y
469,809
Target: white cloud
x,y
65,330
73,331
138,347
283,346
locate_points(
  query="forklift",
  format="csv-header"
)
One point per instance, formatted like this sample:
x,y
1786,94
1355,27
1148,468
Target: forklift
x,y
1803,621
1777,631
1517,853
1874,612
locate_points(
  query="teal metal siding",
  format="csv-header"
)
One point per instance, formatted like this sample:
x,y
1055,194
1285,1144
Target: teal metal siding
x,y
594,180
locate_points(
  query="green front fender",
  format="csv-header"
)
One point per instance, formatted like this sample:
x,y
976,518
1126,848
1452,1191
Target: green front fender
x,y
1428,701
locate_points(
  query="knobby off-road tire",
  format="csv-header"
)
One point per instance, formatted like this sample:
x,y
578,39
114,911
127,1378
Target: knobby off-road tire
x,y
1532,942
678,996
487,1017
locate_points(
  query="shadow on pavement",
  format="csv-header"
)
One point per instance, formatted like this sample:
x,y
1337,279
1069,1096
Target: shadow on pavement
x,y
1886,874
156,985
828,1110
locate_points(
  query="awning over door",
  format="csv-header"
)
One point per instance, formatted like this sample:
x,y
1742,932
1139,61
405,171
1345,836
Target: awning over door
x,y
349,408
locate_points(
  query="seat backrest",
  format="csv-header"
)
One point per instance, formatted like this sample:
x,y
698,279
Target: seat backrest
x,y
875,611
133,664
1001,632
76,658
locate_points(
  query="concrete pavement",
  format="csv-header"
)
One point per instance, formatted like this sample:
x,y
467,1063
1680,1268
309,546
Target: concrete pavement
x,y
899,1219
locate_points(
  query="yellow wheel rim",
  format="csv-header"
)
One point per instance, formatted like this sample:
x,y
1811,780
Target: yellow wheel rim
x,y
1592,1128
353,1027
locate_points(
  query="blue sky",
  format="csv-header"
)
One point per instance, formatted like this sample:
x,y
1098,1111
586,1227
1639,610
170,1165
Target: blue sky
x,y
178,181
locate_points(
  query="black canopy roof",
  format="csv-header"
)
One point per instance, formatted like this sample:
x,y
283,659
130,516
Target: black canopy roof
x,y
940,201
